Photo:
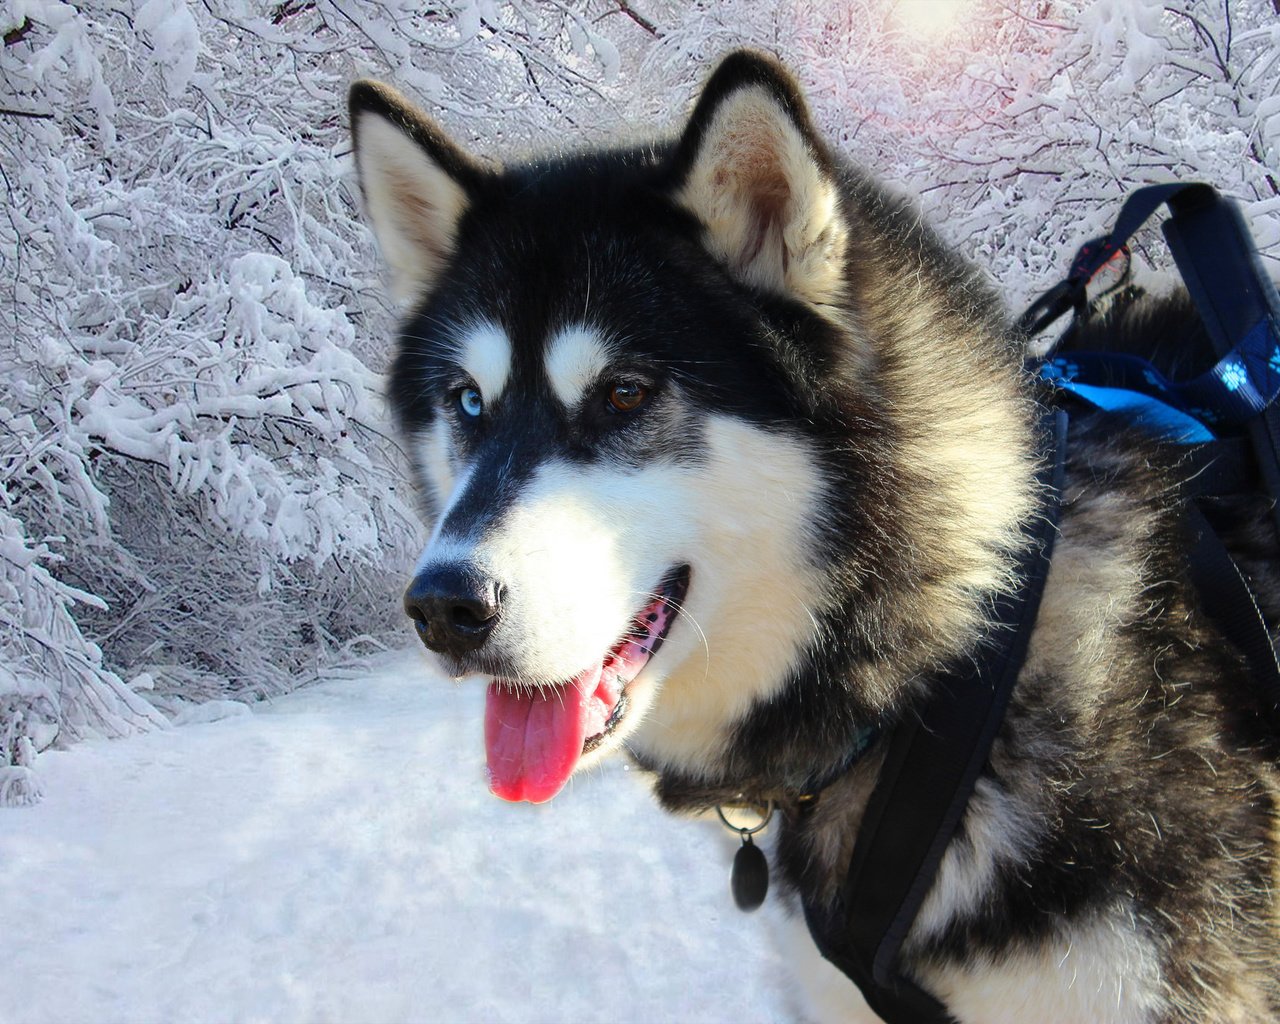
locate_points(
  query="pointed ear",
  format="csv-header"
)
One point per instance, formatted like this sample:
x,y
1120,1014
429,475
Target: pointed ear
x,y
416,185
754,171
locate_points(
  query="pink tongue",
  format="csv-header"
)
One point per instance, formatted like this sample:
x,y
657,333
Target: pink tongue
x,y
534,738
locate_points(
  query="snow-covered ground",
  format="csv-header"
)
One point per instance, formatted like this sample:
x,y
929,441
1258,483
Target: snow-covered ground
x,y
335,856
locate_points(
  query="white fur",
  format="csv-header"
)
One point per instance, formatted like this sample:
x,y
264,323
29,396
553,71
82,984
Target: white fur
x,y
574,361
433,450
413,204
754,593
442,549
485,353
996,832
576,566
1095,972
581,549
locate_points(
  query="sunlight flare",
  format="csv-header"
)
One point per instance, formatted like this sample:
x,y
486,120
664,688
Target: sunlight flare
x,y
929,20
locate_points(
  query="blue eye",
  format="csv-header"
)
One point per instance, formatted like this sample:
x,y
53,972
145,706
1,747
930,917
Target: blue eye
x,y
470,402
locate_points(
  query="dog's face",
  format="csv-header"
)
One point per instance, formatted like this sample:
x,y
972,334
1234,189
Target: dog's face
x,y
609,377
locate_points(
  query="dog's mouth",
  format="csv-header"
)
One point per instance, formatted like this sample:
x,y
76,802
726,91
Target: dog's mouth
x,y
535,735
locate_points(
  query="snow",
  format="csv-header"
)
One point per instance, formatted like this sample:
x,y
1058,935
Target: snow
x,y
335,855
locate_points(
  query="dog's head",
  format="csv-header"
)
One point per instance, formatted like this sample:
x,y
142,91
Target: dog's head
x,y
624,377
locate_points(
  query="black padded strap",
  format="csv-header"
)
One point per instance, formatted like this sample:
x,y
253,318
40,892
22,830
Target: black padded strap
x,y
1219,264
1226,599
1225,466
932,765
1232,292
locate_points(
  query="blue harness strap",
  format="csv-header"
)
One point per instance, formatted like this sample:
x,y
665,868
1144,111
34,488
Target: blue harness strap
x,y
1236,301
1157,416
1240,386
1233,295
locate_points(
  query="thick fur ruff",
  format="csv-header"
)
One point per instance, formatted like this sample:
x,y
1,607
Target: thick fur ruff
x,y
833,437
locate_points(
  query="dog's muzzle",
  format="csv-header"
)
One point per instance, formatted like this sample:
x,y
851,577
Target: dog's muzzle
x,y
454,607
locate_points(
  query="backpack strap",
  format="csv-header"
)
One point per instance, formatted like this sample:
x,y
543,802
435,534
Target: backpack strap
x,y
1229,603
1240,308
1095,254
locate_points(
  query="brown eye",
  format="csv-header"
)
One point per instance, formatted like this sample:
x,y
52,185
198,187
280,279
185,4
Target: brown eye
x,y
627,397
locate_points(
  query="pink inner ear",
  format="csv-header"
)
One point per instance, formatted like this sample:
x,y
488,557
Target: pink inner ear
x,y
413,198
768,206
763,188
751,155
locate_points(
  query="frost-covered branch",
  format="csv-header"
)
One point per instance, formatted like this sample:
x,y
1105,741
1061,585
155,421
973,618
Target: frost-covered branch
x,y
198,493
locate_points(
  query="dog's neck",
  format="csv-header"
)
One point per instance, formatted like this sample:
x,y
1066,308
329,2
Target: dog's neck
x,y
681,792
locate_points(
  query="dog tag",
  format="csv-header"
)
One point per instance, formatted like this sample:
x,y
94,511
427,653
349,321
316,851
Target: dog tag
x,y
750,879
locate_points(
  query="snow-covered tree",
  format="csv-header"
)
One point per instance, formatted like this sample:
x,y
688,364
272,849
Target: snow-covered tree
x,y
198,492
1022,125
1083,101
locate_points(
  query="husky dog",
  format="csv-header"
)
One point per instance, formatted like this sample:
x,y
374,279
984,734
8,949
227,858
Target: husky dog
x,y
729,456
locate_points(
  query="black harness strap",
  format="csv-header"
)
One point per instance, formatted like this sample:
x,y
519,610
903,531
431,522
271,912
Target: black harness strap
x,y
1219,264
1093,255
1232,294
932,765
1227,600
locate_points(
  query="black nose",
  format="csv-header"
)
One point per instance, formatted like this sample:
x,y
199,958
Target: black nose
x,y
454,607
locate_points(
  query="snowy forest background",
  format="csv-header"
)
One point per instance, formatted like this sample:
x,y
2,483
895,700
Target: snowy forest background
x,y
198,495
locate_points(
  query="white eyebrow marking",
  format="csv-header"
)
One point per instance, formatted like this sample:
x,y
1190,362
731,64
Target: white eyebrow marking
x,y
576,356
485,353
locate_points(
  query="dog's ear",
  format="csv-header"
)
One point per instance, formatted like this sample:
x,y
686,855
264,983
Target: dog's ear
x,y
416,184
751,167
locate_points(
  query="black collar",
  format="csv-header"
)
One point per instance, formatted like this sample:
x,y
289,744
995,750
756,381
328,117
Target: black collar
x,y
863,741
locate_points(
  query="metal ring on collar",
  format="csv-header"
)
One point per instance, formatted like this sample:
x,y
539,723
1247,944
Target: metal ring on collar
x,y
766,815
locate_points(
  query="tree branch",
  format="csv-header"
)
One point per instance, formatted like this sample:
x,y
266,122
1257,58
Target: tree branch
x,y
16,35
625,8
